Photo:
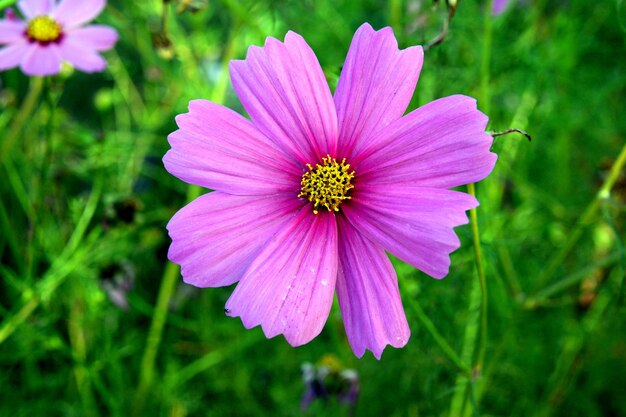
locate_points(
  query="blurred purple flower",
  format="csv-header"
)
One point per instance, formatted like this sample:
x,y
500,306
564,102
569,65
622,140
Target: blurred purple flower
x,y
117,281
328,380
311,192
498,6
53,33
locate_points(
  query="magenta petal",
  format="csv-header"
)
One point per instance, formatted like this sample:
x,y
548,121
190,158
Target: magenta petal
x,y
375,87
41,60
74,13
96,37
442,144
289,287
367,290
221,150
283,89
216,236
11,31
11,56
413,223
81,55
34,8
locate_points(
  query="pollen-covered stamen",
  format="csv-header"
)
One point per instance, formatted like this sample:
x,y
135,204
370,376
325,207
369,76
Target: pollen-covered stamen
x,y
44,29
328,184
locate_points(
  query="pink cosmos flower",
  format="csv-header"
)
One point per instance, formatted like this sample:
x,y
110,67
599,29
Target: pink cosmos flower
x,y
53,33
313,190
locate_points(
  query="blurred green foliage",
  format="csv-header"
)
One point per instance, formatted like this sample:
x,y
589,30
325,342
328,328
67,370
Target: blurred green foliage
x,y
85,199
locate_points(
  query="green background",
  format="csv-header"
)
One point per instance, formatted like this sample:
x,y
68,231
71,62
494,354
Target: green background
x,y
85,199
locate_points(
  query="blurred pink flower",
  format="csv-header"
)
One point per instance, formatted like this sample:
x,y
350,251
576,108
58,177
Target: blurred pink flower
x,y
52,33
311,192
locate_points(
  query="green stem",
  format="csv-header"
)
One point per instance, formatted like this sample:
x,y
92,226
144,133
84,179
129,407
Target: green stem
x,y
486,105
170,276
462,383
78,343
441,341
482,340
473,344
23,114
11,324
584,220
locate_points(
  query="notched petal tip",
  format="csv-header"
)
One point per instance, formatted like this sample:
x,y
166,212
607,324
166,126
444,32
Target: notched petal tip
x,y
377,351
365,27
440,274
398,343
292,36
388,34
195,106
294,340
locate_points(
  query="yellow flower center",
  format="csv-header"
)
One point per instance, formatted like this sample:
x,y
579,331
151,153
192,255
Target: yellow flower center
x,y
43,29
328,184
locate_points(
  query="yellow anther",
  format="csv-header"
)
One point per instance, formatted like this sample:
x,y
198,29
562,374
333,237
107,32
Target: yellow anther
x,y
327,184
43,29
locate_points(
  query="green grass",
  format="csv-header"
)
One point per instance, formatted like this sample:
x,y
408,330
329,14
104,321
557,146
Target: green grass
x,y
80,153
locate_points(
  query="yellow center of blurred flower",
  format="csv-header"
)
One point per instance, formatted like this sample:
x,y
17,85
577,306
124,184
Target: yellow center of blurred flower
x,y
328,184
43,29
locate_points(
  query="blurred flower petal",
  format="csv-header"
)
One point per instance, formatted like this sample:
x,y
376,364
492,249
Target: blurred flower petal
x,y
73,13
41,60
81,56
97,37
12,55
34,8
11,31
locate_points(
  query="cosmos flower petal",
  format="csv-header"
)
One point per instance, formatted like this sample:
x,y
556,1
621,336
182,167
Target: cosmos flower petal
x,y
11,55
73,13
283,89
11,31
413,223
41,60
288,289
34,8
442,144
367,290
81,56
375,87
97,37
218,149
216,236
